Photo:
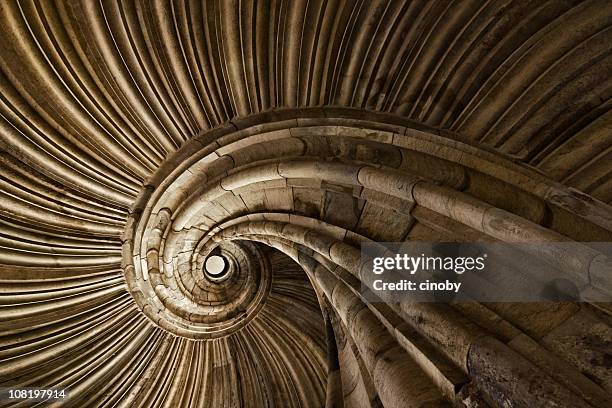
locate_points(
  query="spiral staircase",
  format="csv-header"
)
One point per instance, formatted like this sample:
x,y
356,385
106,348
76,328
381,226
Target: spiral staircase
x,y
141,138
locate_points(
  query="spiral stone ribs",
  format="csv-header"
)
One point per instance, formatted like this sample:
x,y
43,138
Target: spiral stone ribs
x,y
138,138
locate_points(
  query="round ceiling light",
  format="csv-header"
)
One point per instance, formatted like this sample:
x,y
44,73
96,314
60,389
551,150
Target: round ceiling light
x,y
215,266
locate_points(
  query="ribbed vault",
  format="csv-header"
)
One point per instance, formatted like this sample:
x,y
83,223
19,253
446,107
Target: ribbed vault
x,y
139,138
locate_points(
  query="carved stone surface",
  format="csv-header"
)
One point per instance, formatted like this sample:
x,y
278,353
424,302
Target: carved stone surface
x,y
140,138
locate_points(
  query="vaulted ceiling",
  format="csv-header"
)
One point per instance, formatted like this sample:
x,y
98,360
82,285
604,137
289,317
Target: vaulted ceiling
x,y
139,137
